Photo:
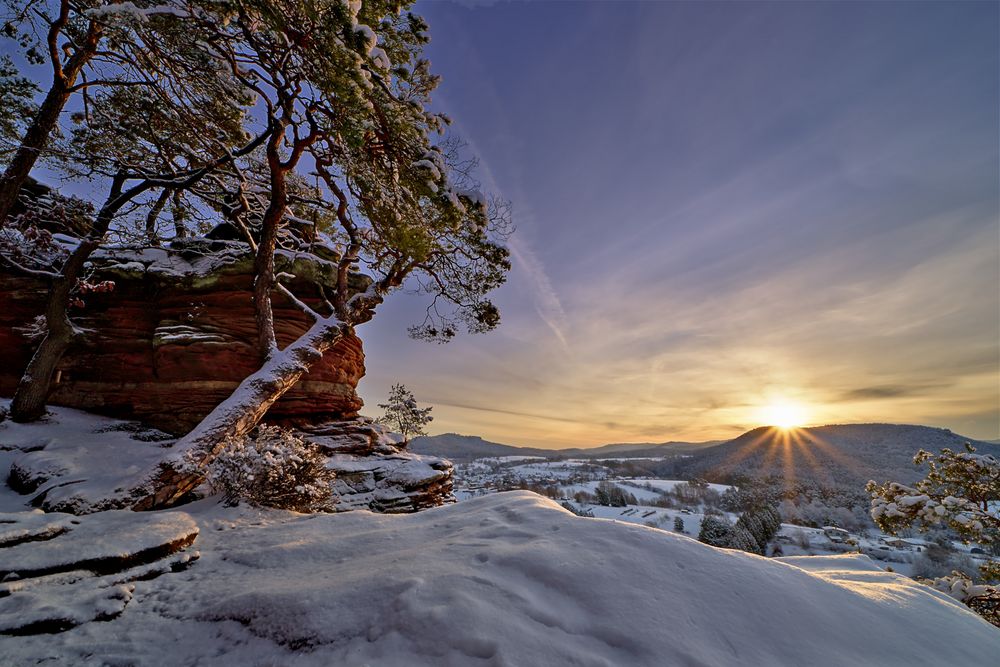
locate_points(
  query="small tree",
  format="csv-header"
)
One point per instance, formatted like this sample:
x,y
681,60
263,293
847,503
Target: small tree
x,y
678,524
403,415
961,491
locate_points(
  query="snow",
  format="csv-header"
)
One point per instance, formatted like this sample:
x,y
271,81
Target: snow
x,y
66,605
97,538
59,450
509,579
430,166
670,484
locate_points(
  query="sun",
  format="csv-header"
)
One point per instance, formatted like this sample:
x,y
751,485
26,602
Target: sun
x,y
784,414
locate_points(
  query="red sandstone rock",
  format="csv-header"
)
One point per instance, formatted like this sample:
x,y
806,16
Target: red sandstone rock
x,y
172,340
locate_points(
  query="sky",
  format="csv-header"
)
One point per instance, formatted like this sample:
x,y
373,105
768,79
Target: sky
x,y
720,207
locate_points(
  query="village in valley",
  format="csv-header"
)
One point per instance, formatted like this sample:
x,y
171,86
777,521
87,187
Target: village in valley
x,y
603,488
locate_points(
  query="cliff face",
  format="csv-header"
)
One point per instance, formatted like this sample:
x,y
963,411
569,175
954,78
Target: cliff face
x,y
174,338
171,341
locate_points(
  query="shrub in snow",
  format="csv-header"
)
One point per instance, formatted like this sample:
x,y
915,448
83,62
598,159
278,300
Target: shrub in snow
x,y
579,511
678,524
273,468
982,599
939,561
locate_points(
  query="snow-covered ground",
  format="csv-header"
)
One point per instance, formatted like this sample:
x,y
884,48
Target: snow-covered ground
x,y
507,579
667,484
793,540
87,462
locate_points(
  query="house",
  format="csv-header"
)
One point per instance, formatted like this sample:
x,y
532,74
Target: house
x,y
835,534
901,544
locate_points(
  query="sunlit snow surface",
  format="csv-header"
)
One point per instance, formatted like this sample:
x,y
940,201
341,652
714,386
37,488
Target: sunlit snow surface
x,y
508,579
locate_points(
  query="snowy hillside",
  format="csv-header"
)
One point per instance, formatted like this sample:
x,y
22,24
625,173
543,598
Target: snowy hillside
x,y
841,454
508,579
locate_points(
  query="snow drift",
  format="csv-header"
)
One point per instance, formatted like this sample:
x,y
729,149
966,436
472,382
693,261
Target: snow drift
x,y
509,579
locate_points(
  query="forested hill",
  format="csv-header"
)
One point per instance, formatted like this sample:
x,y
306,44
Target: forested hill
x,y
836,455
467,447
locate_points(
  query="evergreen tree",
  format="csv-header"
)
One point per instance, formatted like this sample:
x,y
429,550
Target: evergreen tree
x,y
961,491
346,83
744,540
716,532
403,415
678,524
756,528
179,124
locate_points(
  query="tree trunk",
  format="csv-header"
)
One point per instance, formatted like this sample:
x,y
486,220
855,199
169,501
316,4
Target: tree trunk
x,y
33,389
34,142
36,382
154,214
264,259
264,273
41,128
239,414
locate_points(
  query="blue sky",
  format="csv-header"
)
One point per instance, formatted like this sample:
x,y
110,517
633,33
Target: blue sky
x,y
721,206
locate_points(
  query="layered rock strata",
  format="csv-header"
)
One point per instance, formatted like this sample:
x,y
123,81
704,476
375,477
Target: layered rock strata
x,y
175,335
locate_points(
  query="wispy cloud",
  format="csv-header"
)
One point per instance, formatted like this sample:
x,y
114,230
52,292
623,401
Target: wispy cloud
x,y
547,303
702,241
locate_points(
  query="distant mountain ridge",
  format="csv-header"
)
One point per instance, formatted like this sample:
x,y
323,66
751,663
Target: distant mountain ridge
x,y
462,448
831,455
838,454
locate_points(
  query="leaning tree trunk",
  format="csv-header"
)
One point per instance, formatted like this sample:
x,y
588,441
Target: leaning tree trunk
x,y
47,119
34,142
239,413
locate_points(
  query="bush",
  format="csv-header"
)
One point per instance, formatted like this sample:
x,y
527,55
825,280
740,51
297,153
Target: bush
x,y
273,468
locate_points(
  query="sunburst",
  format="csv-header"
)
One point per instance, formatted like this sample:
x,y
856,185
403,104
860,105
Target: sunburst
x,y
784,414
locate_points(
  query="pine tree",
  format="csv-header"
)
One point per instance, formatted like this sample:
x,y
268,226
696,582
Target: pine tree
x,y
716,532
962,492
678,524
403,415
346,83
180,123
756,528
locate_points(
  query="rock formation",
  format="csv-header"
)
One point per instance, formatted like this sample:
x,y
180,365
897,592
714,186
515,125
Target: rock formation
x,y
175,336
